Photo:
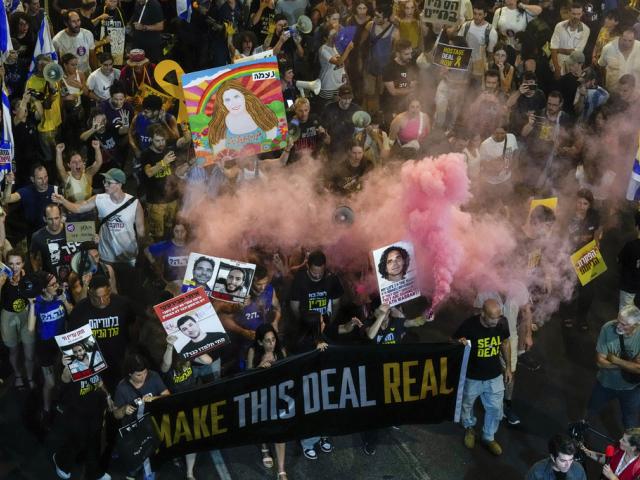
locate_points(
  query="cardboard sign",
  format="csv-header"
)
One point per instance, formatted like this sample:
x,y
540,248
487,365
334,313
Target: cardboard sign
x,y
450,56
396,273
588,263
220,278
81,353
551,202
443,12
80,232
190,317
115,30
236,111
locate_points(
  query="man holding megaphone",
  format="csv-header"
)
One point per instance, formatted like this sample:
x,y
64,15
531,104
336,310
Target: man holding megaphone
x,y
45,102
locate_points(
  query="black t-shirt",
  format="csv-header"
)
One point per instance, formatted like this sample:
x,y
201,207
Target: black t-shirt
x,y
519,117
579,228
347,178
401,76
84,395
629,261
484,362
157,184
15,298
55,252
34,204
567,86
391,335
178,381
309,137
315,296
339,124
261,29
109,325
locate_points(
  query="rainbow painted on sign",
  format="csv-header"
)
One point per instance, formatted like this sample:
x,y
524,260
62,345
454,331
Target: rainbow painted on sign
x,y
236,110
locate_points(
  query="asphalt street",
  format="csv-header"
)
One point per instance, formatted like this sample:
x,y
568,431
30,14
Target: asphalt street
x,y
547,400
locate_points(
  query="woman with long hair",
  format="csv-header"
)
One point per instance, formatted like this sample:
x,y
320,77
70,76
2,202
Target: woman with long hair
x,y
244,120
265,351
74,84
504,68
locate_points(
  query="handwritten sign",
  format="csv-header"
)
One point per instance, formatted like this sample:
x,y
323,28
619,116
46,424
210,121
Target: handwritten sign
x,y
80,232
588,263
441,11
450,56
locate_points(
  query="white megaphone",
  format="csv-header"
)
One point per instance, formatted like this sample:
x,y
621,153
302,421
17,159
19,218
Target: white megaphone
x,y
82,263
52,72
312,86
303,25
343,215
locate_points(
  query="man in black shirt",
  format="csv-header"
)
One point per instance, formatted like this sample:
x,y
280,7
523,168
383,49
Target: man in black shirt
x,y
50,250
629,261
110,317
337,116
262,18
315,289
400,80
161,203
488,333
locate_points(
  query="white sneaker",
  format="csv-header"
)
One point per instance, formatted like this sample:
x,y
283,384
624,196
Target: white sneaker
x,y
61,473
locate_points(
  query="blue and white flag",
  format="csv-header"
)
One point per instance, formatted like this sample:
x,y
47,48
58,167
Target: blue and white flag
x,y
184,9
5,36
44,45
13,6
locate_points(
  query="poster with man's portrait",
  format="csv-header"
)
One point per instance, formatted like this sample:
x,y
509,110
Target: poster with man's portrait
x,y
233,281
395,267
192,323
236,110
220,278
80,353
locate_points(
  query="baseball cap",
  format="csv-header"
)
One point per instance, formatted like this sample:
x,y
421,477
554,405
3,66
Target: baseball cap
x,y
115,175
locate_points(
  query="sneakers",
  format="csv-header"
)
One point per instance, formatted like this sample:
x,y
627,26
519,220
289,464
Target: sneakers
x,y
512,418
325,445
369,449
493,446
310,453
106,476
60,473
470,438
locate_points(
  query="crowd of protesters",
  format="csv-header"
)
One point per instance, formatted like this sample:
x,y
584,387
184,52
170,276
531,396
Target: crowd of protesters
x,y
549,106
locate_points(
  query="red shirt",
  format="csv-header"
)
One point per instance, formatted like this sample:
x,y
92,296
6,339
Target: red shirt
x,y
631,471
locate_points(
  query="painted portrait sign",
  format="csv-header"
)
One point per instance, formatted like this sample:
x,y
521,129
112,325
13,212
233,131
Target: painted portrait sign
x,y
236,110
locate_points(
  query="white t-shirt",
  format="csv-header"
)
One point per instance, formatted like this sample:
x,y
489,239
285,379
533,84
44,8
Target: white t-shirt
x,y
118,241
496,159
476,37
566,38
331,78
508,22
99,84
80,46
617,65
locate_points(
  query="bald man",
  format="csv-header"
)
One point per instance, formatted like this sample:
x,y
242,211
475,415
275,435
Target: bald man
x,y
488,333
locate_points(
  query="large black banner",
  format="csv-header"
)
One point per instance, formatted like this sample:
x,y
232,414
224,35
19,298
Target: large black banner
x,y
339,391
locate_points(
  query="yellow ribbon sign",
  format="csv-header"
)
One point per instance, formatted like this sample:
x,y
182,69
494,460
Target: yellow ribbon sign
x,y
588,263
163,69
551,202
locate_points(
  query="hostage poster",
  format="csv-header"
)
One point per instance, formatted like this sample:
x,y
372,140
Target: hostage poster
x,y
80,353
395,270
342,390
191,318
236,110
221,278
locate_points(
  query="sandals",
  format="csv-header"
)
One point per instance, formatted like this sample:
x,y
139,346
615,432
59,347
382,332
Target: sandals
x,y
282,476
267,460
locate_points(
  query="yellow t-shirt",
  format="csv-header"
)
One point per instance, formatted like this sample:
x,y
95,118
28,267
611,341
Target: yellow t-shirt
x,y
52,117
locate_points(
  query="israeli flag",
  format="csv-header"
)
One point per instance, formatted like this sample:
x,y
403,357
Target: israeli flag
x,y
5,35
44,45
184,9
13,6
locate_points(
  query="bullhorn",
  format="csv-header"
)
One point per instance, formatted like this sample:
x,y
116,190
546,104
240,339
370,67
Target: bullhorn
x,y
312,86
52,72
82,263
343,215
361,119
303,25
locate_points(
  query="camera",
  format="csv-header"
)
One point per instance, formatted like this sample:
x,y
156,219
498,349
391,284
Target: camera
x,y
36,94
59,292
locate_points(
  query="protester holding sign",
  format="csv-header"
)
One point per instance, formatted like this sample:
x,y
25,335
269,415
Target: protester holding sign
x,y
584,226
265,351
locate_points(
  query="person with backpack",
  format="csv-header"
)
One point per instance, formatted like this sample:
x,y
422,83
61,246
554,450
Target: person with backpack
x,y
481,37
514,18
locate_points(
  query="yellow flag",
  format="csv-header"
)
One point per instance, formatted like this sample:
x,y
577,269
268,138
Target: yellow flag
x,y
588,263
